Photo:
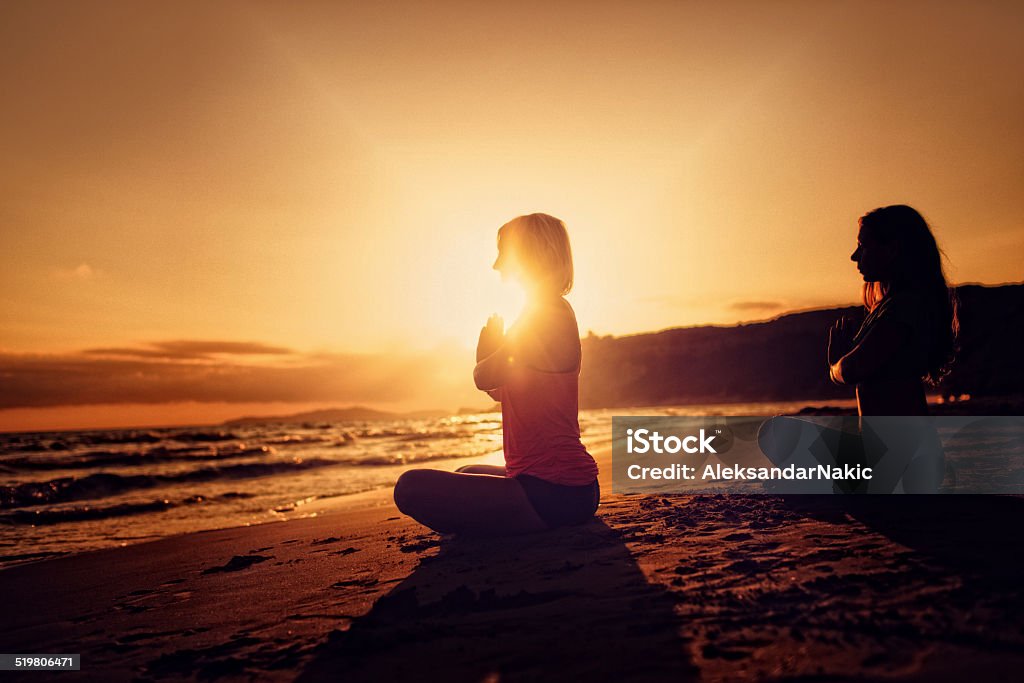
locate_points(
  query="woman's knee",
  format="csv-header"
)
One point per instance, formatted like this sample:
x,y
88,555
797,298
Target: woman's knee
x,y
411,490
407,491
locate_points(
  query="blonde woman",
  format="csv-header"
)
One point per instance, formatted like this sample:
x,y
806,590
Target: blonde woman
x,y
549,479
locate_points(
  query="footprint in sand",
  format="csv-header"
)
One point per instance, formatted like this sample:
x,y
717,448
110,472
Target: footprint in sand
x,y
420,545
365,583
326,541
238,563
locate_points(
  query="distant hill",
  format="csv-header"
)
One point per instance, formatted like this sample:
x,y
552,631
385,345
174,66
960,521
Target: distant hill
x,y
351,414
784,359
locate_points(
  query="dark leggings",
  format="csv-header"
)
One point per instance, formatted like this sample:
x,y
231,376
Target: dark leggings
x,y
560,505
903,451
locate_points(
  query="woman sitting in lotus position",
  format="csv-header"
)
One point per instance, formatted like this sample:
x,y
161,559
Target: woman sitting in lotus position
x,y
549,479
906,338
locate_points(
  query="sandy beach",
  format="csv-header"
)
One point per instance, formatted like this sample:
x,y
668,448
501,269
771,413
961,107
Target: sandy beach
x,y
655,588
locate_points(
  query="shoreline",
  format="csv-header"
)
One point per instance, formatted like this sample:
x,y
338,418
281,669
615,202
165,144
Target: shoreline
x,y
686,586
342,502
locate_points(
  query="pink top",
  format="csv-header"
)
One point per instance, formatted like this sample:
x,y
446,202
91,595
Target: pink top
x,y
541,429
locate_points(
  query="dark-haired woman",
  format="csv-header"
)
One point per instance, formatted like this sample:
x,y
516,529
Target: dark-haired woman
x,y
905,340
907,336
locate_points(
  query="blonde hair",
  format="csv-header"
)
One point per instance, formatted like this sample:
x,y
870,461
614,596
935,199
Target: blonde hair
x,y
541,245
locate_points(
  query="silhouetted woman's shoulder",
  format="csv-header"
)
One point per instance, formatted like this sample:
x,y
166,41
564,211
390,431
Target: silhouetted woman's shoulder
x,y
914,312
548,337
908,306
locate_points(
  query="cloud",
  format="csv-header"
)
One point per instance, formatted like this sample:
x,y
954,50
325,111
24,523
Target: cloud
x,y
167,372
757,306
190,350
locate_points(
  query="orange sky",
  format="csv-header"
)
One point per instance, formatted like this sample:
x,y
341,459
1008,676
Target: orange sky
x,y
326,179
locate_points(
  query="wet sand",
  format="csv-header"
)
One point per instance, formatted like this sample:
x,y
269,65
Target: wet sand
x,y
655,588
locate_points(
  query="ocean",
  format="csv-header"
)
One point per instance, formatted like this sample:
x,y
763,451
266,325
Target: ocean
x,y
72,491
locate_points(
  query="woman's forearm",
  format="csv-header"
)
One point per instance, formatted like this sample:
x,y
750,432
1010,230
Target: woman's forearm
x,y
489,373
486,347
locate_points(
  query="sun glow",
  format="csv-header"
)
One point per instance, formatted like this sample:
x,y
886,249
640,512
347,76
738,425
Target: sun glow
x,y
460,290
330,178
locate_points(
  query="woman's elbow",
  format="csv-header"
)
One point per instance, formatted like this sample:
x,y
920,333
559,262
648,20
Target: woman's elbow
x,y
480,379
489,374
843,372
835,374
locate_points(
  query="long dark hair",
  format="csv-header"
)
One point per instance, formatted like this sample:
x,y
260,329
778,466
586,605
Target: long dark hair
x,y
918,266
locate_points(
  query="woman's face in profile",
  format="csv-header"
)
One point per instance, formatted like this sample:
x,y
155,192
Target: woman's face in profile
x,y
874,259
506,263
